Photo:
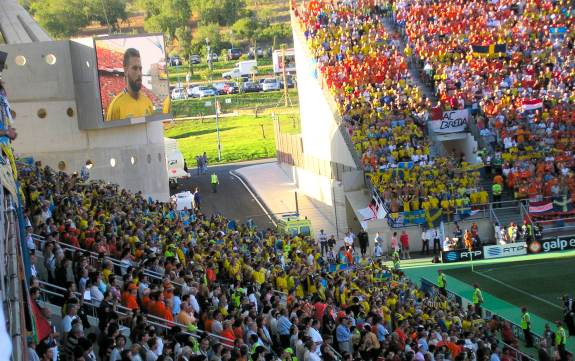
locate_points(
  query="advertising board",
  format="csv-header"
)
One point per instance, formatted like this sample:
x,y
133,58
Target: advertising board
x,y
461,255
551,245
505,250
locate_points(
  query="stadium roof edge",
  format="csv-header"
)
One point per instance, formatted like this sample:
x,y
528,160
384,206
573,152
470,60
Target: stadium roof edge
x,y
18,26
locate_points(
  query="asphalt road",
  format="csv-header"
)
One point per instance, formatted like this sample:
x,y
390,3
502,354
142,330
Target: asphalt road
x,y
232,199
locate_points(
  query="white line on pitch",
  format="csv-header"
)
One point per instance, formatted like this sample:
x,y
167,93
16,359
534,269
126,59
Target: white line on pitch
x,y
519,290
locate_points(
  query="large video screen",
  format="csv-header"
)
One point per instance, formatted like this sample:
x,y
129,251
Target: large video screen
x,y
133,77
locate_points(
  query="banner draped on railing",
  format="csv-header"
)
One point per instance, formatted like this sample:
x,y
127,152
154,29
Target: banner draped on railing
x,y
550,208
451,121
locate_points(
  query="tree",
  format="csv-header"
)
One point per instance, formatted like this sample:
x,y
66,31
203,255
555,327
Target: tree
x,y
61,18
280,32
222,12
244,28
167,15
184,36
210,32
104,11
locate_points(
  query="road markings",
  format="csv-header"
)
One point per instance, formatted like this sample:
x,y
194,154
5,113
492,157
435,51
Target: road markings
x,y
233,174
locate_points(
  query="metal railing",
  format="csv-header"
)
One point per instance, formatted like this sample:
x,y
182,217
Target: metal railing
x,y
166,325
95,257
488,314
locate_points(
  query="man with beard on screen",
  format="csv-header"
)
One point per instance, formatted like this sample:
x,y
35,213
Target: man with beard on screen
x,y
131,102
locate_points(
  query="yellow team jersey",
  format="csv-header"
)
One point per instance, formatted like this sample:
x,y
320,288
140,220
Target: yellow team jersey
x,y
125,106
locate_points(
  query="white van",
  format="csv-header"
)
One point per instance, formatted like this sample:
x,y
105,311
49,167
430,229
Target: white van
x,y
174,161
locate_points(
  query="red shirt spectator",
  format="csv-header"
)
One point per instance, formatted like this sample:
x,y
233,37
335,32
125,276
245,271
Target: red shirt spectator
x,y
404,239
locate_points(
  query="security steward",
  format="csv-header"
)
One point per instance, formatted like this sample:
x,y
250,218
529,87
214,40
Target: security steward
x,y
214,182
560,341
526,326
442,283
477,299
496,189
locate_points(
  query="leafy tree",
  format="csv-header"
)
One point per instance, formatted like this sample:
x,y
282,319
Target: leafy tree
x,y
65,18
149,7
210,32
61,18
167,15
244,28
222,12
184,36
264,16
280,32
103,11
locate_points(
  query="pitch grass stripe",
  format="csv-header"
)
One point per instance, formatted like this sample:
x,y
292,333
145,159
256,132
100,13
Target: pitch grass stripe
x,y
506,266
518,290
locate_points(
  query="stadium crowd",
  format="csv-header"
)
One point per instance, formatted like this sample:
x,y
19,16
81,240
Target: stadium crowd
x,y
367,73
252,295
220,280
522,96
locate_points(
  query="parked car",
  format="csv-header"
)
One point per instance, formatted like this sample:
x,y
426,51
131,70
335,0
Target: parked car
x,y
231,88
189,91
178,93
203,91
234,54
174,60
290,83
213,57
219,87
257,51
195,59
270,84
251,87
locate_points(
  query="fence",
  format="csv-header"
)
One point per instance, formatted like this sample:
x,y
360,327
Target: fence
x,y
96,259
289,148
428,286
231,103
51,292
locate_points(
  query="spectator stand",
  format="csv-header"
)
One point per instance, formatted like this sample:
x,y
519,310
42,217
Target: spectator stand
x,y
53,295
96,258
500,122
431,288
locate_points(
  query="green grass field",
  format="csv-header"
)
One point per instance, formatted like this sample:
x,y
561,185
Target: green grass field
x,y
537,284
205,106
241,137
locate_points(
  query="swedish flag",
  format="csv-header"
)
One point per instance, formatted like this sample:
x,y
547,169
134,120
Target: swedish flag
x,y
491,51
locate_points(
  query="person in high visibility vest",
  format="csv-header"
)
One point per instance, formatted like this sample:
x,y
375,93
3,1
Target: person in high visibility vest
x,y
442,283
396,260
287,355
526,326
214,182
560,341
477,299
496,189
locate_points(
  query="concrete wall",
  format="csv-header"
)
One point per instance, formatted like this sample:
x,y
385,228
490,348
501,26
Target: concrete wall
x,y
467,146
414,232
44,96
319,129
327,196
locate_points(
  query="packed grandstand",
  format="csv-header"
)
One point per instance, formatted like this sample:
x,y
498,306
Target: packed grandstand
x,y
130,278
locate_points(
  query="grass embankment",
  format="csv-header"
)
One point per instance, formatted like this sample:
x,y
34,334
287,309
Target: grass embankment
x,y
242,137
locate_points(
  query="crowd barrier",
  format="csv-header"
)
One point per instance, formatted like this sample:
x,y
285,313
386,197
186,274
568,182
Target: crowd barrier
x,y
428,286
543,246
